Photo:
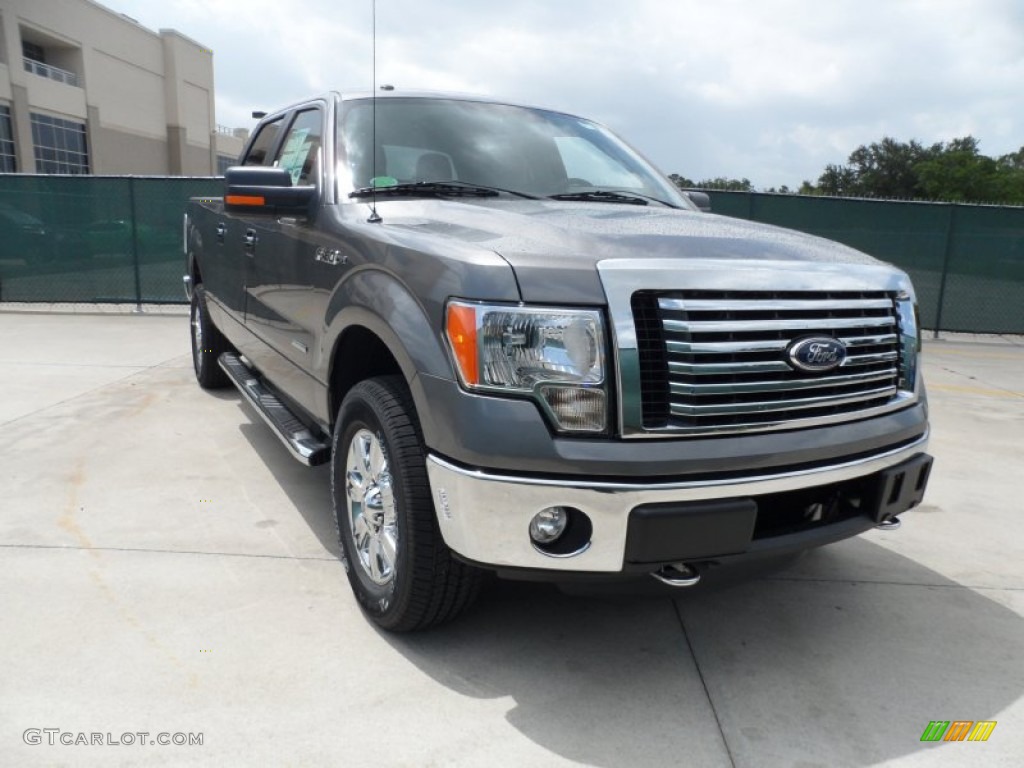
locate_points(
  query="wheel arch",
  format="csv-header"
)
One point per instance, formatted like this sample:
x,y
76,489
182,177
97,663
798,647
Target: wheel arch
x,y
359,354
379,328
194,248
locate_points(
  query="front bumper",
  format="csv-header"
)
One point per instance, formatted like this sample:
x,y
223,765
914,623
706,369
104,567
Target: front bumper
x,y
485,516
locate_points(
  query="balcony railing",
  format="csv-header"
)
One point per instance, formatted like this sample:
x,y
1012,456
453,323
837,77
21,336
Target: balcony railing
x,y
53,73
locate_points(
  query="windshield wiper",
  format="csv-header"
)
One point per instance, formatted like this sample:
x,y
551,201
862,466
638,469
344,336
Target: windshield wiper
x,y
600,196
440,188
610,196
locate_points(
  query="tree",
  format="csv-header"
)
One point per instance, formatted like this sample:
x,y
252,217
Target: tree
x,y
681,181
1011,169
839,181
954,170
960,172
887,168
719,182
1013,161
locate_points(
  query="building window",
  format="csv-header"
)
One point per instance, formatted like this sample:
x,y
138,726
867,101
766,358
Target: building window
x,y
224,162
33,51
7,159
59,145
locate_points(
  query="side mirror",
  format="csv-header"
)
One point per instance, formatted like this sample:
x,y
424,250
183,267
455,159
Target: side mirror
x,y
259,189
700,199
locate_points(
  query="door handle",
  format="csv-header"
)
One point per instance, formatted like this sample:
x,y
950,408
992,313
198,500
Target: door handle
x,y
221,230
250,240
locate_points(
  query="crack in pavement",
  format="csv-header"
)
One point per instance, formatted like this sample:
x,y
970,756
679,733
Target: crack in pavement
x,y
254,555
71,365
813,580
996,389
703,682
140,369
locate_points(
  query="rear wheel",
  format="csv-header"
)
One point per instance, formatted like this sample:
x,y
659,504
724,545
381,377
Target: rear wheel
x,y
400,570
207,344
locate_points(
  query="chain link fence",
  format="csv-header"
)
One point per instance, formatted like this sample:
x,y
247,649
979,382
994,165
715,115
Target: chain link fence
x,y
103,239
94,239
966,261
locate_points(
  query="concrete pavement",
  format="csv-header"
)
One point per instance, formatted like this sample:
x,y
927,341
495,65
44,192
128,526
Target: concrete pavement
x,y
168,568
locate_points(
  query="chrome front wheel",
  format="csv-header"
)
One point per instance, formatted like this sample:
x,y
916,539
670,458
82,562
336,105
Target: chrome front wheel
x,y
402,574
371,507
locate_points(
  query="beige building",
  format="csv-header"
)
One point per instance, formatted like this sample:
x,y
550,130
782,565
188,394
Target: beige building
x,y
84,89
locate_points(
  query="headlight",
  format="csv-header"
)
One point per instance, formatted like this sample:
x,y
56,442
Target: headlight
x,y
910,341
554,355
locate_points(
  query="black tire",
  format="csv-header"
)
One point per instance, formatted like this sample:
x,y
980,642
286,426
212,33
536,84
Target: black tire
x,y
427,585
207,344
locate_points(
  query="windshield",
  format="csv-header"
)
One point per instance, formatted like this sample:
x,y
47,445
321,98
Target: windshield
x,y
530,152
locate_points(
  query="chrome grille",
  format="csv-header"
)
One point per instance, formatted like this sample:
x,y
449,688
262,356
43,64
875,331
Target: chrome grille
x,y
714,361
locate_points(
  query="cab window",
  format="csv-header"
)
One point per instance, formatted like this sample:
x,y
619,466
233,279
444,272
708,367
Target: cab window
x,y
300,151
259,151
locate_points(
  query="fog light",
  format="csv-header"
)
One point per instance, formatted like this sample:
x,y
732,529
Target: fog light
x,y
576,409
548,524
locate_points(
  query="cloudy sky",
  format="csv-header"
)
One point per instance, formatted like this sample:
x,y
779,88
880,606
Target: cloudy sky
x,y
770,90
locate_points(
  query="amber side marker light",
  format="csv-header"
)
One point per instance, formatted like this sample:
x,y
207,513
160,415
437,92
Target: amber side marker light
x,y
245,200
461,328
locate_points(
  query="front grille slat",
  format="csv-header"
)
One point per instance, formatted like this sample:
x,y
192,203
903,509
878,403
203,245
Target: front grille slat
x,y
776,305
878,357
717,361
780,385
715,369
887,339
723,347
801,323
766,406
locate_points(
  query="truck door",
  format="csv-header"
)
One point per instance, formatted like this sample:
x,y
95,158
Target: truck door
x,y
225,270
280,253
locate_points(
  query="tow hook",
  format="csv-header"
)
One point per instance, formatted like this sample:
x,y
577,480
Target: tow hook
x,y
677,575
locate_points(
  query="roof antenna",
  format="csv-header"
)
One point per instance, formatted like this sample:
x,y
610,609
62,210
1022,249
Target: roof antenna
x,y
374,216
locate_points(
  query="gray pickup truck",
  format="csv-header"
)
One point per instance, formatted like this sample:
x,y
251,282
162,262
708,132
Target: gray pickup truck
x,y
523,350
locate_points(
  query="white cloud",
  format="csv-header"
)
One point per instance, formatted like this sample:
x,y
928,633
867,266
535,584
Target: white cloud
x,y
771,90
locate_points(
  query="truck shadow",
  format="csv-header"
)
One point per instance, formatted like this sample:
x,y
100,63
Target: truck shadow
x,y
804,666
840,657
309,489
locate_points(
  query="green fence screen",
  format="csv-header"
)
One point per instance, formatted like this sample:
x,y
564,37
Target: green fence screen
x,y
966,261
87,239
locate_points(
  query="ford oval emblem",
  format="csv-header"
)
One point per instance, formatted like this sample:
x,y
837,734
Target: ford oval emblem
x,y
817,354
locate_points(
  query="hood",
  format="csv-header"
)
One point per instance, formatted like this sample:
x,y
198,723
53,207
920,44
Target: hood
x,y
554,246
